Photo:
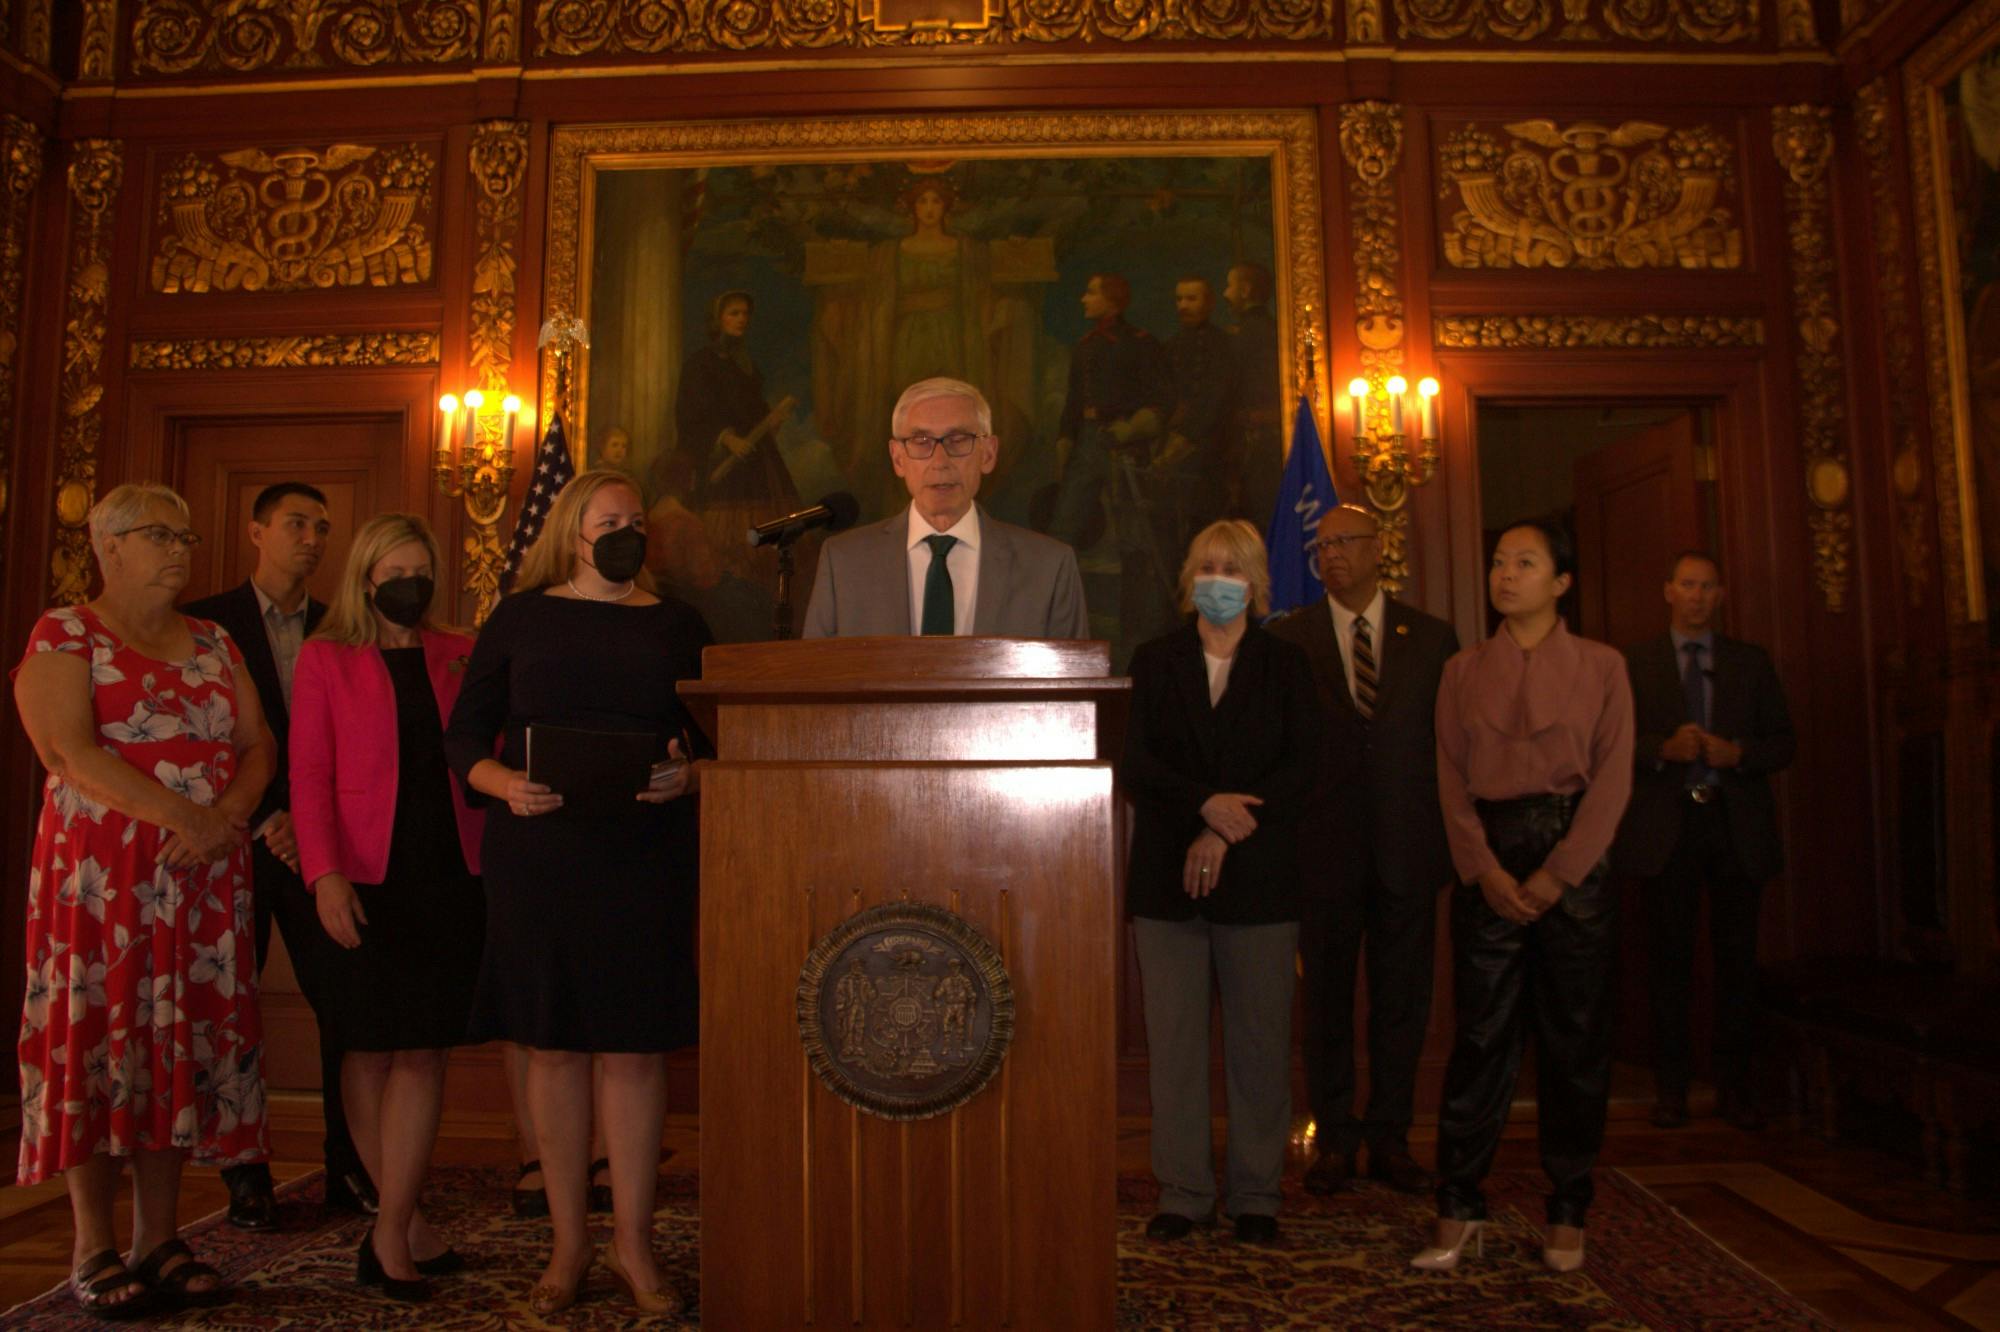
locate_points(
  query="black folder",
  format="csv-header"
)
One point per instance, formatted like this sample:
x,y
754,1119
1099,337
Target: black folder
x,y
595,772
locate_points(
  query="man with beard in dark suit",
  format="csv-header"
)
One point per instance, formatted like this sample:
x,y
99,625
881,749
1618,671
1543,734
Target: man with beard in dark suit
x,y
1259,413
269,617
1372,850
1712,726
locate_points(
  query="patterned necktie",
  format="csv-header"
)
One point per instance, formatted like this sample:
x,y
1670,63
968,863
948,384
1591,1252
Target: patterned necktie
x,y
940,609
1364,668
1694,691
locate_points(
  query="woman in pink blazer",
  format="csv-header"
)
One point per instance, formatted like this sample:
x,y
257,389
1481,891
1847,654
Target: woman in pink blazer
x,y
376,811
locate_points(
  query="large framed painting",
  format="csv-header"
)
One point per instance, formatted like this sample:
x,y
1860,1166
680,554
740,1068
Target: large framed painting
x,y
1952,88
1132,294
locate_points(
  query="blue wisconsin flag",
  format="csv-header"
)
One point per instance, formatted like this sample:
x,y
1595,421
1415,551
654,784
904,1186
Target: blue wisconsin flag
x,y
1305,493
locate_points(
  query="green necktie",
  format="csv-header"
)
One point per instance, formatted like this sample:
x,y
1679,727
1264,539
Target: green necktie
x,y
940,611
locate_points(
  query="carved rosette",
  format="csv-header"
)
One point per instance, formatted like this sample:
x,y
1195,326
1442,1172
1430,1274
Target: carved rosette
x,y
1589,195
1547,332
1874,119
293,352
20,175
190,36
295,219
95,171
1698,22
1802,138
499,162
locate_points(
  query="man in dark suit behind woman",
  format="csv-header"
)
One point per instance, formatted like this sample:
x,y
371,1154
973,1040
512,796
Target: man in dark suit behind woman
x,y
1372,852
270,616
1712,725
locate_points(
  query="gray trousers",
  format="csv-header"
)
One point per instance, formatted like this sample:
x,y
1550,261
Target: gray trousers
x,y
1253,965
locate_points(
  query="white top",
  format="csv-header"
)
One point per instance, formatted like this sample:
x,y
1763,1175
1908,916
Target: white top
x,y
1218,675
962,562
1343,629
285,633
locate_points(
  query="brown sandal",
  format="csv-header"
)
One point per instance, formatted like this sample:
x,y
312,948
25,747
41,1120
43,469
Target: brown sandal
x,y
170,1284
99,1278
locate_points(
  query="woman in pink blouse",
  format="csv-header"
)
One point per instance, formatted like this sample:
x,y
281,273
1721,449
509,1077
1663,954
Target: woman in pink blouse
x,y
1534,738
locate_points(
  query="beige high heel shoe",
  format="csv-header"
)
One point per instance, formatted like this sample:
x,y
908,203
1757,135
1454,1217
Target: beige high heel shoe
x,y
1442,1258
1564,1257
654,1302
546,1299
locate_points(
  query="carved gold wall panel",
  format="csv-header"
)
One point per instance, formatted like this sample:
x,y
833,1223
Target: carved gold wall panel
x,y
296,219
243,36
1699,22
36,34
1588,195
292,352
95,171
1802,138
499,162
1874,120
97,48
20,174
1549,332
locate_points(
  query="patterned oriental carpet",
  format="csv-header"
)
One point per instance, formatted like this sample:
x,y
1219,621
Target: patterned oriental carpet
x,y
1340,1263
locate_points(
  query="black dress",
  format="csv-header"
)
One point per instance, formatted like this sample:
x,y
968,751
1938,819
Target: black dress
x,y
409,985
590,918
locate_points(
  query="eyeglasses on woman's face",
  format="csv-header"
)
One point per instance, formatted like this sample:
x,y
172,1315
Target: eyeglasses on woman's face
x,y
958,444
162,536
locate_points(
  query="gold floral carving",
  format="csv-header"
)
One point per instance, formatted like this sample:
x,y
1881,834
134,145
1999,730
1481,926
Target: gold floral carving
x,y
95,171
294,219
20,174
1364,23
1795,25
94,61
1589,195
240,36
1802,138
1874,119
499,161
37,43
503,31
656,27
1549,332
1706,22
297,351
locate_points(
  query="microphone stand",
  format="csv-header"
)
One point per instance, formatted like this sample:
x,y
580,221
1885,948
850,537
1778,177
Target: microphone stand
x,y
781,613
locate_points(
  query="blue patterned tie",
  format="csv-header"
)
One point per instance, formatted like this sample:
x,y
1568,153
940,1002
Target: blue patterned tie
x,y
940,609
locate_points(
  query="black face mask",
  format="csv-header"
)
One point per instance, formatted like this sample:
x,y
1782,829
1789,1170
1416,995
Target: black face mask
x,y
619,555
404,600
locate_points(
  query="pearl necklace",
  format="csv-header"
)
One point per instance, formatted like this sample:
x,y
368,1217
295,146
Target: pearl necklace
x,y
629,585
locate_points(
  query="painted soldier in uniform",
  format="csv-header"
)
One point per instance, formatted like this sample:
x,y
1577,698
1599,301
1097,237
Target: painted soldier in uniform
x,y
1203,451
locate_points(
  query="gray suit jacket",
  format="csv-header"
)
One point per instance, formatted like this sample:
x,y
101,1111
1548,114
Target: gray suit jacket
x,y
1028,584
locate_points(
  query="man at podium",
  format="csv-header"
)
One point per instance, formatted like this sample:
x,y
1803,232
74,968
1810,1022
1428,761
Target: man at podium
x,y
944,565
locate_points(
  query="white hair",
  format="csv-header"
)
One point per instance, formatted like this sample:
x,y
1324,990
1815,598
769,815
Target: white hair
x,y
124,507
941,386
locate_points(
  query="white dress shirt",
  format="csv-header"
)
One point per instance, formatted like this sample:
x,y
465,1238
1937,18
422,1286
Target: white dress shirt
x,y
1343,629
962,561
1218,675
286,634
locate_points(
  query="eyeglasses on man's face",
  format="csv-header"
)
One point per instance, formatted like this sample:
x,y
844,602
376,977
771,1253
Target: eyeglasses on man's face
x,y
958,444
1342,543
163,536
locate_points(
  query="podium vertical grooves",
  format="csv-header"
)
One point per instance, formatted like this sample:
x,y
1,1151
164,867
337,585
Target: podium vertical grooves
x,y
956,1203
1008,954
858,1247
806,1146
909,1239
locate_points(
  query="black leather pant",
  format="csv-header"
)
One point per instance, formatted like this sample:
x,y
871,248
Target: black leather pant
x,y
1559,969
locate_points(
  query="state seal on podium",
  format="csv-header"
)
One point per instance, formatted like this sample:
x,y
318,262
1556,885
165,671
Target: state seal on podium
x,y
906,1010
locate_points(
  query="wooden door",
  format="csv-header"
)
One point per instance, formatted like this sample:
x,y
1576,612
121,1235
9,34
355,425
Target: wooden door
x,y
219,464
1636,504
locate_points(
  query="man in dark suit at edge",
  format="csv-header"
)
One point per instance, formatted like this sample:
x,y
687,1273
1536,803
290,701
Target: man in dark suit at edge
x,y
1373,852
1712,726
270,617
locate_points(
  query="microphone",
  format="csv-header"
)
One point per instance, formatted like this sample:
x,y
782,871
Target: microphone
x,y
833,512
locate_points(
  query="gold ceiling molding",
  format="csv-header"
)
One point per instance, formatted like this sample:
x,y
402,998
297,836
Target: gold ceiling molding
x,y
96,51
20,174
1588,195
1802,139
503,31
1549,332
658,27
499,163
296,219
1364,23
301,351
1704,22
1874,118
96,170
188,36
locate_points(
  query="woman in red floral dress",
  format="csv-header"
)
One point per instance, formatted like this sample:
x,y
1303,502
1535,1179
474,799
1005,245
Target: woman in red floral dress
x,y
140,1035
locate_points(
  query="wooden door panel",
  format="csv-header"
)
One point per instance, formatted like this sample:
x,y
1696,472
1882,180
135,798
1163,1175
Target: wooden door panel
x,y
1636,504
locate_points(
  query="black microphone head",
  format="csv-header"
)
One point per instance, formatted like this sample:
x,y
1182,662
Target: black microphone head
x,y
844,508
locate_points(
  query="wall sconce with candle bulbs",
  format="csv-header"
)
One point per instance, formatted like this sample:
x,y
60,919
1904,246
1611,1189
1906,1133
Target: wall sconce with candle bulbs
x,y
1379,421
475,462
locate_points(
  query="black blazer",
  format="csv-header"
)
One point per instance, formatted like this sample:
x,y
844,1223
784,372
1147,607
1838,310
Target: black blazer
x,y
238,612
1262,738
1749,709
1377,797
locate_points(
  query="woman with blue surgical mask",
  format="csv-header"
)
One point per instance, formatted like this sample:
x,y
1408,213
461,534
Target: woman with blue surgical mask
x,y
1219,758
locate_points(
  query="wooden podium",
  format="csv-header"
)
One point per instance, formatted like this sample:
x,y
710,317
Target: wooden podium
x,y
961,772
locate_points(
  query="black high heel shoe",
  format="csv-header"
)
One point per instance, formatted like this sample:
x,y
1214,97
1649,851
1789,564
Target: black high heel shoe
x,y
368,1271
598,1199
529,1202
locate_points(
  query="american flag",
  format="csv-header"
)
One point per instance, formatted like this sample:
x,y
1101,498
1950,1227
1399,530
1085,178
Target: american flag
x,y
553,470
